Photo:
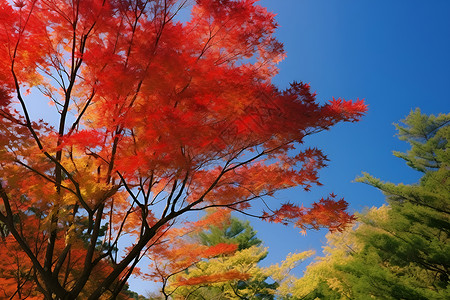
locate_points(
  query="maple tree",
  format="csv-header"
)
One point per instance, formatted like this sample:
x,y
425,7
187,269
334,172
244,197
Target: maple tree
x,y
152,118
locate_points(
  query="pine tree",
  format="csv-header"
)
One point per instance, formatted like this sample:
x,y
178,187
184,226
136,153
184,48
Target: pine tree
x,y
414,241
245,261
399,251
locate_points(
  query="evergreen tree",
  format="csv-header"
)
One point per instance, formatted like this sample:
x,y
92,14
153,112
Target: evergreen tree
x,y
399,251
236,232
244,260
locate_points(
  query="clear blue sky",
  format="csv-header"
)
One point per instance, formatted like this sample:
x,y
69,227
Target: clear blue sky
x,y
393,53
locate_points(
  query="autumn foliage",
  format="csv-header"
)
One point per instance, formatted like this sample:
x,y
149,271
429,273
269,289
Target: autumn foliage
x,y
151,118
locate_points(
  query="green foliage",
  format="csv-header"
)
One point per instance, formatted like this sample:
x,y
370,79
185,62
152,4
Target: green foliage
x,y
415,238
321,291
399,251
237,232
131,294
245,261
273,282
428,137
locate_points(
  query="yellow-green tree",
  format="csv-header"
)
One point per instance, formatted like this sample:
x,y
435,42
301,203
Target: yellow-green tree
x,y
325,278
247,280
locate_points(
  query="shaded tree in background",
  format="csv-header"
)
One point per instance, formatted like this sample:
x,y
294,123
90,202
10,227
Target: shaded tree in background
x,y
180,250
204,279
152,119
399,251
194,283
235,231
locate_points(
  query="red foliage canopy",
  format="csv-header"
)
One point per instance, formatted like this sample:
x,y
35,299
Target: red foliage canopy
x,y
152,118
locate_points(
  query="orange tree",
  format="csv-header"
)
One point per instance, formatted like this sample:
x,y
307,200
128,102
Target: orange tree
x,y
152,118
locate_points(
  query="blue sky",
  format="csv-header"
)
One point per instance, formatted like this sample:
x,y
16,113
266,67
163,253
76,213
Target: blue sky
x,y
395,55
